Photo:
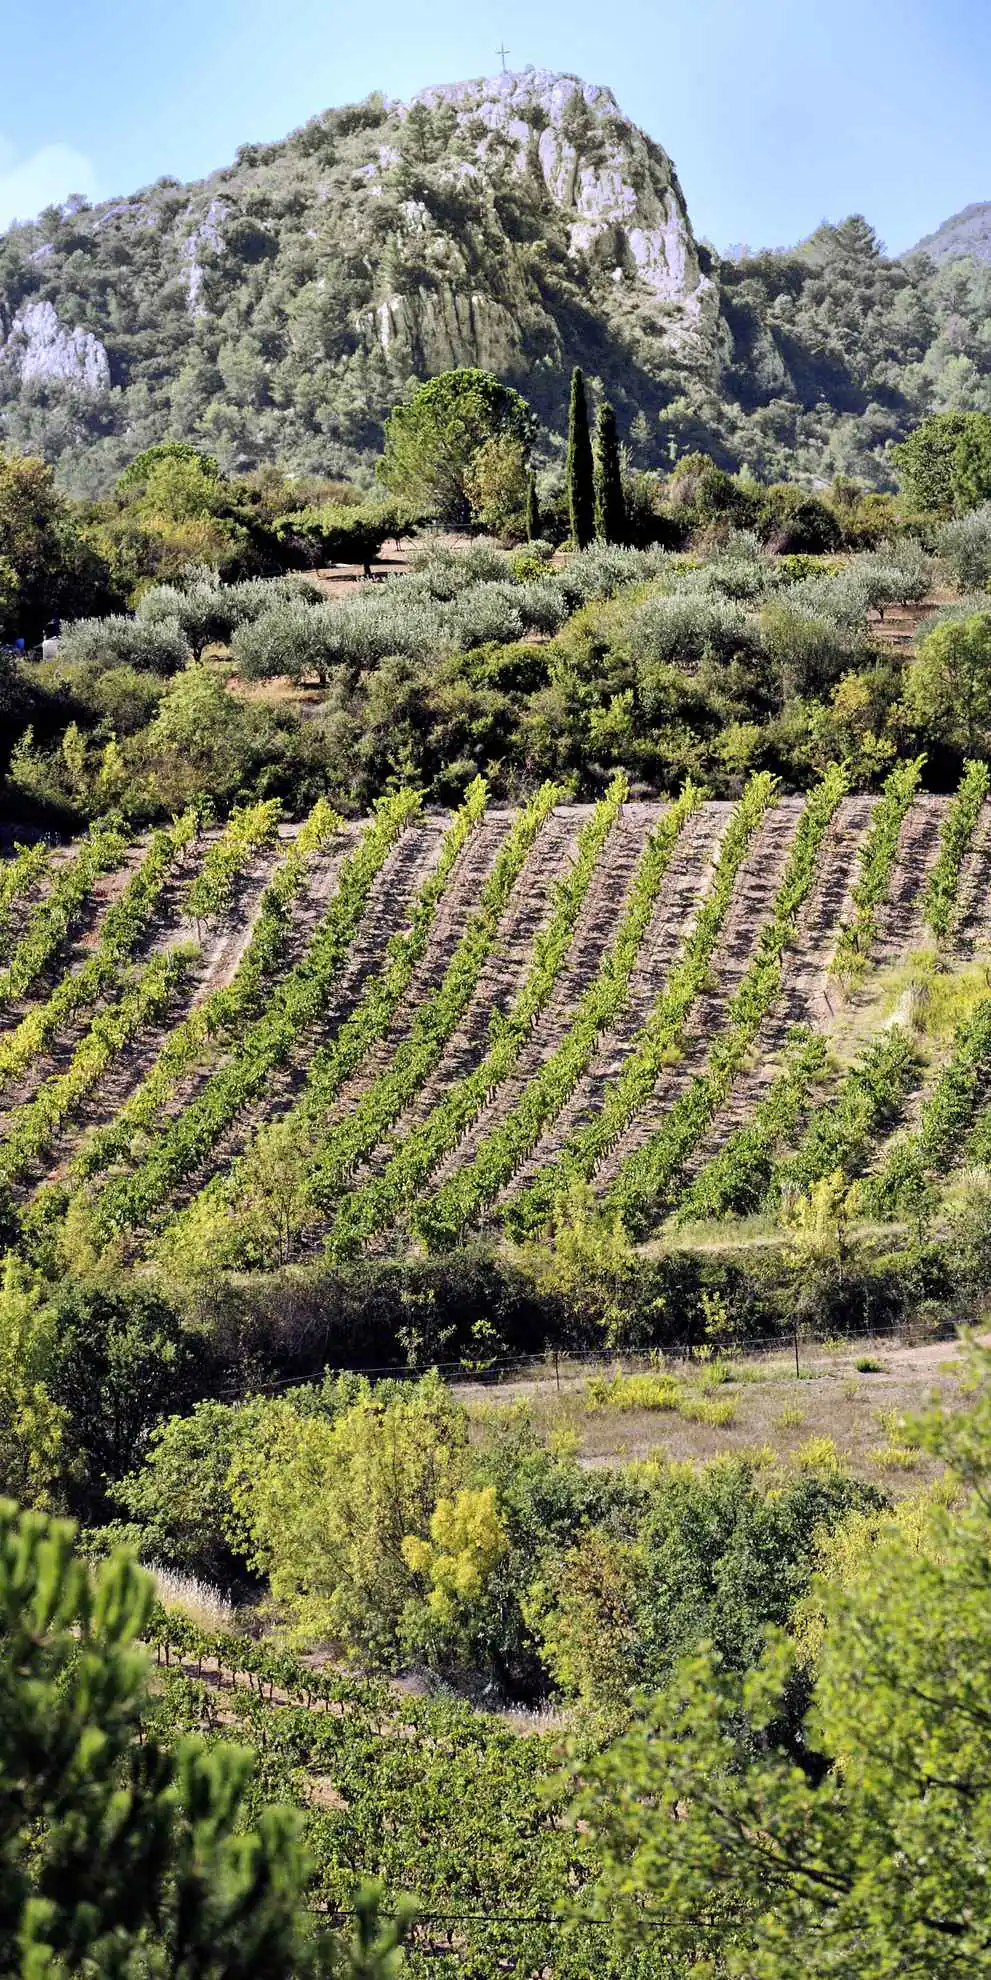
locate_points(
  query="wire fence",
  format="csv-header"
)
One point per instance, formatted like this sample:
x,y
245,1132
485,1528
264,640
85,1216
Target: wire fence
x,y
564,1367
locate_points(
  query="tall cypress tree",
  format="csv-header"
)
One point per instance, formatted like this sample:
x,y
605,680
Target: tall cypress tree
x,y
532,508
579,468
610,508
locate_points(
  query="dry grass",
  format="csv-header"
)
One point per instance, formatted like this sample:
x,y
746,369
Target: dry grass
x,y
203,1604
830,1413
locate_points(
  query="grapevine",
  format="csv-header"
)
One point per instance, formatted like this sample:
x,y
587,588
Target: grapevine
x,y
441,1221
376,1204
268,1042
877,859
958,830
646,1175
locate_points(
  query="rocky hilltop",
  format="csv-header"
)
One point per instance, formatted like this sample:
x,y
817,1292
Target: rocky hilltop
x,y
519,222
276,310
965,233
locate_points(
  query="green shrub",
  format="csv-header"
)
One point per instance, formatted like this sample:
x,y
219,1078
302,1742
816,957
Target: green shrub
x,y
156,648
965,548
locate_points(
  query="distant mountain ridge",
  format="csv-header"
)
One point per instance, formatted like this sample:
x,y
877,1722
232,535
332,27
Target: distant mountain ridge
x,y
277,309
965,233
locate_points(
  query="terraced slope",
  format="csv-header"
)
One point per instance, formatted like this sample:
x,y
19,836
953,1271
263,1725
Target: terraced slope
x,y
276,1041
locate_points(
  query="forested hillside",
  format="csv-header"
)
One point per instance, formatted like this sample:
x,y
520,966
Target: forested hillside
x,y
274,312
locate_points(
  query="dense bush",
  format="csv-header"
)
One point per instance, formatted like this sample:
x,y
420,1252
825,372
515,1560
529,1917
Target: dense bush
x,y
207,611
965,548
158,646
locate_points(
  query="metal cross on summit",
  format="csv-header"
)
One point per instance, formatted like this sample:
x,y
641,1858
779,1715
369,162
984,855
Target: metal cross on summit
x,y
502,52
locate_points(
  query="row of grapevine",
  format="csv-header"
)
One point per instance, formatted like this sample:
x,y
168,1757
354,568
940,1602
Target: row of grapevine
x,y
476,1832
30,1130
948,1111
248,831
955,839
439,1218
222,1016
53,919
871,1094
877,858
225,1012
268,1042
124,925
644,1179
19,876
840,1133
442,1221
350,1140
734,1181
375,1205
213,1213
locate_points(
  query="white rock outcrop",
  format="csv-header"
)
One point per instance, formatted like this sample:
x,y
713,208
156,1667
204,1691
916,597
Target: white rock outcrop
x,y
39,347
617,191
205,234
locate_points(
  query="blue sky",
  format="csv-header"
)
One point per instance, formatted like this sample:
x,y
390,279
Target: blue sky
x,y
778,113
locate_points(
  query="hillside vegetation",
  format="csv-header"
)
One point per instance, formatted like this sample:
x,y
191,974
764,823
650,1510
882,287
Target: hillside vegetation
x,y
274,312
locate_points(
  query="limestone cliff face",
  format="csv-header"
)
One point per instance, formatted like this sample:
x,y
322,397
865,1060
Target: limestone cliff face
x,y
614,192
614,187
39,348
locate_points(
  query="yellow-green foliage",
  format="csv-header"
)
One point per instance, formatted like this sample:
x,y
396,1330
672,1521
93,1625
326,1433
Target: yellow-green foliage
x,y
817,1454
657,1392
328,1505
897,1457
467,1538
943,998
32,1425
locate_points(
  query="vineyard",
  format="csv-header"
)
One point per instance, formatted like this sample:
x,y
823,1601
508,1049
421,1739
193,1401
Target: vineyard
x,y
271,1042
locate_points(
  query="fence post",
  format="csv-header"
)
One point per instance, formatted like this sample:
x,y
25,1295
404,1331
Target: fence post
x,y
557,1372
794,1325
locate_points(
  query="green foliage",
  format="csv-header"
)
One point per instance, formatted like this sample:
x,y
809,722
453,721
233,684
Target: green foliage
x,y
46,566
945,464
949,1107
610,508
442,1218
965,547
336,534
714,1555
266,1043
840,1132
32,1425
124,926
329,1504
417,1154
227,1012
122,1854
579,467
497,484
529,1211
645,1176
734,1181
877,857
431,441
55,917
799,1814
958,830
948,684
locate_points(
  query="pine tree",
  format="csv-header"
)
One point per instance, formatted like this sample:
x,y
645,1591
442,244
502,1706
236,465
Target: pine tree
x,y
579,468
610,508
532,509
118,1853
